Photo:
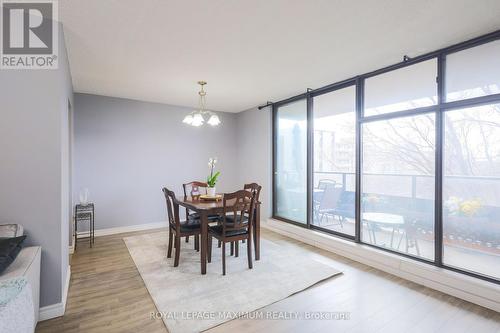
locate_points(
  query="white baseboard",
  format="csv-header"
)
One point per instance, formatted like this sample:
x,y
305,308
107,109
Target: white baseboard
x,y
51,311
72,249
58,309
66,288
129,228
471,289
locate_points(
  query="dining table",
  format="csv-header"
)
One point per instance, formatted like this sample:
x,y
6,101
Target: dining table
x,y
393,221
206,208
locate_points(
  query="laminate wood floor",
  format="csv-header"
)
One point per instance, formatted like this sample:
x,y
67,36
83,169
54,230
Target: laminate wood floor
x,y
107,294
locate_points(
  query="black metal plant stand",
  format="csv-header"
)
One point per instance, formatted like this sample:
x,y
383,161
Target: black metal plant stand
x,y
85,213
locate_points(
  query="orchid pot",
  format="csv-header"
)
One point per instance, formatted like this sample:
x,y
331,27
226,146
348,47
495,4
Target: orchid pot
x,y
211,191
212,178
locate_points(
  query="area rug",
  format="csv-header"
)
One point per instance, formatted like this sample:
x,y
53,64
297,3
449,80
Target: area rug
x,y
190,302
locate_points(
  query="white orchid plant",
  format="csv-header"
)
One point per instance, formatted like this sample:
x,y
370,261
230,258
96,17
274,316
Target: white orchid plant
x,y
212,178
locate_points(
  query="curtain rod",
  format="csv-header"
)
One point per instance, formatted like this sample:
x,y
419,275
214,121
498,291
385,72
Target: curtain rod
x,y
308,90
266,105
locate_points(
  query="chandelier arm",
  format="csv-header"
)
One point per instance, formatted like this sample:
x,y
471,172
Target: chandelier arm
x,y
198,116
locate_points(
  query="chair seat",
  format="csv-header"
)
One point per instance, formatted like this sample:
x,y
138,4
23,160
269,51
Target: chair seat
x,y
230,219
190,225
211,218
217,229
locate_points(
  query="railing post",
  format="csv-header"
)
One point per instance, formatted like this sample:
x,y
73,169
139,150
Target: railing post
x,y
413,186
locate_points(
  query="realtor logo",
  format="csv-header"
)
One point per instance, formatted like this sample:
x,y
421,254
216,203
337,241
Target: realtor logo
x,y
29,34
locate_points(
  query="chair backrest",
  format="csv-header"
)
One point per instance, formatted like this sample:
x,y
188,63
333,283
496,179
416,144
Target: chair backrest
x,y
239,205
194,188
322,183
254,188
331,196
172,208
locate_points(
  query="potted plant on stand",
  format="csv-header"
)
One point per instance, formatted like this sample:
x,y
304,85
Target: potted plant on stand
x,y
212,178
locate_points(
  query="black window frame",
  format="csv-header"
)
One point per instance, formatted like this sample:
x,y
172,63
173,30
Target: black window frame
x,y
310,172
438,109
275,108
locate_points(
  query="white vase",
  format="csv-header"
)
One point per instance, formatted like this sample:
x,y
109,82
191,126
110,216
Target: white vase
x,y
211,191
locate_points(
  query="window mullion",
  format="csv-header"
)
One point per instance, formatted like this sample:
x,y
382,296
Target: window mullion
x,y
438,217
359,116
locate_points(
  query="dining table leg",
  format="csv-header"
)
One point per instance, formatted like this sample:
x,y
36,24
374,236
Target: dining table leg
x,y
204,241
256,233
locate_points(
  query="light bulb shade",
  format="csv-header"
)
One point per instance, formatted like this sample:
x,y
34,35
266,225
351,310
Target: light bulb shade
x,y
197,120
188,119
214,120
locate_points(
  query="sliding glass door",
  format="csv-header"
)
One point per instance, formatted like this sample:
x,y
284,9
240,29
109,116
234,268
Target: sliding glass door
x,y
398,160
471,162
290,177
471,189
334,162
398,184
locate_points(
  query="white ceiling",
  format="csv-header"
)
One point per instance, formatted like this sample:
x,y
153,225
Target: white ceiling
x,y
251,51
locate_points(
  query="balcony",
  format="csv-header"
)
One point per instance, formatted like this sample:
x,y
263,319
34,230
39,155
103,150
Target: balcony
x,y
398,214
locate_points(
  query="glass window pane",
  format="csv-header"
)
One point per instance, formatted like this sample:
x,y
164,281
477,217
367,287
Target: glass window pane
x,y
471,189
473,72
291,161
397,201
403,89
334,160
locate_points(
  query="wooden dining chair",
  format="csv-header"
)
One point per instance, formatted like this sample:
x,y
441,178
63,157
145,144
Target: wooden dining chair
x,y
255,188
193,189
178,228
238,210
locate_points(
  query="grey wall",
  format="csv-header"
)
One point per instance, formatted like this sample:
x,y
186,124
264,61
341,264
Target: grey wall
x,y
125,151
33,190
65,102
255,150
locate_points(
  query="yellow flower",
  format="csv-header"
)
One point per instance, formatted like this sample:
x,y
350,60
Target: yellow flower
x,y
470,207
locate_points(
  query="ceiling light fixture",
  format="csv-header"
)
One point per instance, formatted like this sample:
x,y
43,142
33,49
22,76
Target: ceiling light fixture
x,y
197,117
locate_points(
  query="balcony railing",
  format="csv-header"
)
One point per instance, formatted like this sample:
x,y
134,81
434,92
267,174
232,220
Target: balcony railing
x,y
471,208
